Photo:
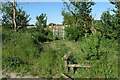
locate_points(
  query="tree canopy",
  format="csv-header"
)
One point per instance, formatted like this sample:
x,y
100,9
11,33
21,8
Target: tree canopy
x,y
21,17
78,14
41,20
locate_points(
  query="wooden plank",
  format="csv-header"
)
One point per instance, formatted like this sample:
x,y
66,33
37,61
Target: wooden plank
x,y
66,68
78,65
72,69
65,57
66,76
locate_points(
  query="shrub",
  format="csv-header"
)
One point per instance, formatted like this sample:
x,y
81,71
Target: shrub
x,y
74,33
102,54
25,44
90,46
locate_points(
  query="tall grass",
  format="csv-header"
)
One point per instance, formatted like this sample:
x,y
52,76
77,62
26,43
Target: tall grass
x,y
25,52
22,47
101,53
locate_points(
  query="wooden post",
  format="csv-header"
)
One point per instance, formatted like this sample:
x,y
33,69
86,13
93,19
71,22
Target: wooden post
x,y
63,33
66,67
58,32
72,69
65,58
53,32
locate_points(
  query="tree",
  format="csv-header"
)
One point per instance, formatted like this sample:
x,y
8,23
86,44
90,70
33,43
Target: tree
x,y
73,33
21,17
117,6
78,14
110,26
41,20
68,18
7,11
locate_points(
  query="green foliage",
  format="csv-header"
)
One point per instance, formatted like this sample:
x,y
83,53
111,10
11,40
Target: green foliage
x,y
41,20
49,63
25,51
68,19
100,53
22,18
74,33
111,23
90,46
7,18
12,62
117,6
19,48
40,34
77,14
110,26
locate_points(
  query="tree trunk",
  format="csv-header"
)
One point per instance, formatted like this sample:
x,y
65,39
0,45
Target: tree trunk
x,y
14,22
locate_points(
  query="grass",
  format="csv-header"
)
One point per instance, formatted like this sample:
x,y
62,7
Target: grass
x,y
24,53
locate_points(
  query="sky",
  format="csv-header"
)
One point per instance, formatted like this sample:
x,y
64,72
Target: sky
x,y
55,0
53,10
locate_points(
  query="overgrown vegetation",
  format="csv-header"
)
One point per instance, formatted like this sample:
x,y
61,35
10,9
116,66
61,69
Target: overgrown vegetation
x,y
23,55
21,17
33,51
77,16
22,46
101,53
41,20
74,33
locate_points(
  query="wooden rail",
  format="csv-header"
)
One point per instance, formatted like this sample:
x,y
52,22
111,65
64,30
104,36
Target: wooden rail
x,y
72,66
66,76
66,56
78,65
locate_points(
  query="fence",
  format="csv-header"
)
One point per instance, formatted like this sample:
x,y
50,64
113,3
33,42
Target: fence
x,y
58,31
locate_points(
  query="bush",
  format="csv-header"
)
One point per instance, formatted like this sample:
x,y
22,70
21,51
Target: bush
x,y
39,33
22,46
90,46
110,25
12,62
74,33
24,52
101,53
50,63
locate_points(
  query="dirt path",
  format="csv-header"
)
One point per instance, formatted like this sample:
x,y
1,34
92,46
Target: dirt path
x,y
15,75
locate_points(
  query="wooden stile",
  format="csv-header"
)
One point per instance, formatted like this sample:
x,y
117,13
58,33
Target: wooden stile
x,y
72,66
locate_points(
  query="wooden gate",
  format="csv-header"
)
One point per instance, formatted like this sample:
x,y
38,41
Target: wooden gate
x,y
58,32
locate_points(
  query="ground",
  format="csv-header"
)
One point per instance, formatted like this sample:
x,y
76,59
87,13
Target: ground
x,y
50,64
